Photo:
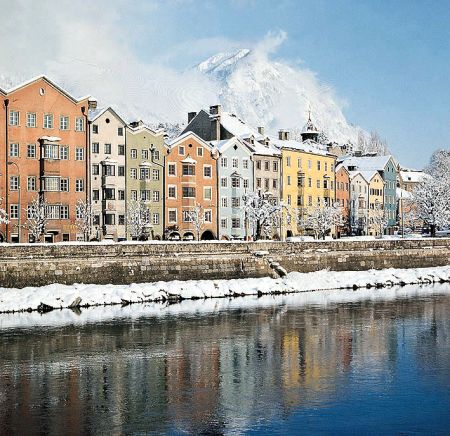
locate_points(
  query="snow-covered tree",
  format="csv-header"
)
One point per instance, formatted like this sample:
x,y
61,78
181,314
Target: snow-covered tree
x,y
196,216
432,195
379,218
85,215
372,143
3,214
37,217
323,217
262,213
138,219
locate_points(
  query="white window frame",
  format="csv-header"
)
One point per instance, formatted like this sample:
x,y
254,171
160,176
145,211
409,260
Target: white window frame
x,y
169,187
208,212
79,124
14,118
174,166
205,189
205,176
176,215
31,119
48,121
63,122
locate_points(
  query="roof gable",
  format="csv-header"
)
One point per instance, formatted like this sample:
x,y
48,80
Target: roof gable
x,y
171,144
225,144
94,115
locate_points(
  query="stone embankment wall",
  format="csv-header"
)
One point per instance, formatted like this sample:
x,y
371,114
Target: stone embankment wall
x,y
41,264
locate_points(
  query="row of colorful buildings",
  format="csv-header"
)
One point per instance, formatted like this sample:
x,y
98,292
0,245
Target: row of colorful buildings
x,y
65,149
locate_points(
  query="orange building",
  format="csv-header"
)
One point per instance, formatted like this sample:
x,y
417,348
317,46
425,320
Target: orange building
x,y
191,182
43,144
343,197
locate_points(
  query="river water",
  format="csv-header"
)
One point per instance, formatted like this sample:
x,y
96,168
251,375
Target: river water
x,y
373,362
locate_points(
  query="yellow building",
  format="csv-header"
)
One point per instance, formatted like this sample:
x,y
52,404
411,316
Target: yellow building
x,y
308,180
376,204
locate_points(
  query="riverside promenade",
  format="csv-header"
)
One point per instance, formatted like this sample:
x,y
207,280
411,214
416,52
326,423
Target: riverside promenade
x,y
124,263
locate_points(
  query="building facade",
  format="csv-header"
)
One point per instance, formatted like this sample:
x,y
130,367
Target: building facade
x,y
145,174
44,148
107,174
191,186
343,198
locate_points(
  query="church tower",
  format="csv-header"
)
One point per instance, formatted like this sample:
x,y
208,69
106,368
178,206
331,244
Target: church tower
x,y
310,131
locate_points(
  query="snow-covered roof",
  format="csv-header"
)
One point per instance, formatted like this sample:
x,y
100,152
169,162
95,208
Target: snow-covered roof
x,y
109,160
189,160
171,143
353,174
401,193
237,127
307,146
224,144
96,113
340,167
143,126
367,162
51,83
145,164
309,127
50,138
413,176
369,174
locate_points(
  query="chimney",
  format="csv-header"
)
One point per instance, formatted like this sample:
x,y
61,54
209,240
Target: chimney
x,y
261,130
191,116
358,153
281,135
215,111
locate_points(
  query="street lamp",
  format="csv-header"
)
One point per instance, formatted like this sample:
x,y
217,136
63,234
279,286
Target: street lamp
x,y
18,212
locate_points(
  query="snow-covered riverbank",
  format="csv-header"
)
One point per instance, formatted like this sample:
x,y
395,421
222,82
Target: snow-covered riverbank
x,y
58,296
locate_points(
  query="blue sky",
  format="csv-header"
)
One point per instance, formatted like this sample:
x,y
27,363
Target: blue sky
x,y
387,61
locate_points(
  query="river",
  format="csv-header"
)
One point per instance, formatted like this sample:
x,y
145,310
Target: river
x,y
337,362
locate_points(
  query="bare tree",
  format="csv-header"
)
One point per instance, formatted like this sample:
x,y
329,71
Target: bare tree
x,y
323,217
196,216
85,215
3,214
37,217
138,219
261,212
379,218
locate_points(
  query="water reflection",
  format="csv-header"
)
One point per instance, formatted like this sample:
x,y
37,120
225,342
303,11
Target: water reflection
x,y
271,368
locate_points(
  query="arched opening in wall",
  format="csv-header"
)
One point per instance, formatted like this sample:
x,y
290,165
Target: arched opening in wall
x,y
2,238
276,237
207,235
157,238
289,234
225,238
188,236
174,236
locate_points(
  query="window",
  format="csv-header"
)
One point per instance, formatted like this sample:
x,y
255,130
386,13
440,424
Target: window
x,y
155,174
31,183
172,169
310,200
155,218
288,161
51,151
258,183
266,184
172,190
51,184
223,223
121,194
133,153
52,212
326,166
235,223
309,182
79,124
207,193
266,165
318,183
13,118
94,128
235,162
121,150
318,165
309,163
63,152
172,215
188,192
134,195
14,150
245,164
300,200
223,182
121,171
144,173
188,170
200,151
187,218
119,131
14,211
145,194
79,153
95,147
235,202
95,169
224,201
64,212
110,219
208,216
14,183
107,148
121,220
95,195
274,184
325,184
275,166
288,180
79,185
95,220
224,162
207,171
245,183
235,182
48,121
109,194
109,170
155,154
133,173
299,162
144,154
64,185
31,119
289,199
156,196
181,150
258,164
63,122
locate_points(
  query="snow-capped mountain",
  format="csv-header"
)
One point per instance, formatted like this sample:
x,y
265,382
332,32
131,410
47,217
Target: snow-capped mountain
x,y
275,95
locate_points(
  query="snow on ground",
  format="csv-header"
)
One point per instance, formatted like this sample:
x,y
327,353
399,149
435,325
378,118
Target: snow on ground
x,y
191,308
65,296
